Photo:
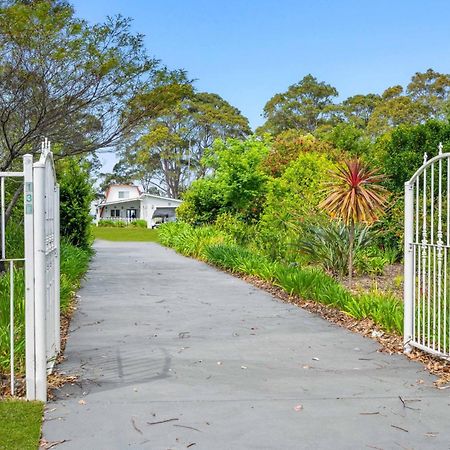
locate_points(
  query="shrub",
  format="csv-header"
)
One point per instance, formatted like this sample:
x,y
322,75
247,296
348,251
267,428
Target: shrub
x,y
292,199
138,223
327,244
76,195
237,184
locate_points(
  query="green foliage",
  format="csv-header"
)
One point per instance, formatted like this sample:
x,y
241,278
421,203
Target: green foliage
x,y
292,199
305,106
237,185
328,245
202,202
349,138
138,223
401,152
169,148
188,240
111,223
288,146
69,79
234,227
76,195
20,427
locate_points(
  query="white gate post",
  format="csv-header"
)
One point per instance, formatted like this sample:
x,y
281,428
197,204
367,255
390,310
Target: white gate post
x,y
39,280
408,267
30,346
57,270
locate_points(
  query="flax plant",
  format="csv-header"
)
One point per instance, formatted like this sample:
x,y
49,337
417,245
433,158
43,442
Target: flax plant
x,y
354,195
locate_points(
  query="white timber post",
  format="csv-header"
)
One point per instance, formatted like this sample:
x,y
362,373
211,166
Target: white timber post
x,y
408,267
30,345
39,281
57,270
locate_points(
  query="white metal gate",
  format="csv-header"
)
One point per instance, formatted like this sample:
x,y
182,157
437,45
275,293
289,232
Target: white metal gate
x,y
427,244
41,272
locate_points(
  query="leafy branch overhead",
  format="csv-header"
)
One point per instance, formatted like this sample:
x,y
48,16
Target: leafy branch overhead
x,y
68,80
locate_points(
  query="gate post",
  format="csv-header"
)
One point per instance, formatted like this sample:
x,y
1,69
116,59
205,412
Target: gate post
x,y
30,345
408,268
56,231
39,281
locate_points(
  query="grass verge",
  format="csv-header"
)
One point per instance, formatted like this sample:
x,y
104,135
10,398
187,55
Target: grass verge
x,y
20,424
125,234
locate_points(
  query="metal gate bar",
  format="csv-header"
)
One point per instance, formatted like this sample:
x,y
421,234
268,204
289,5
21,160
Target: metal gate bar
x,y
427,218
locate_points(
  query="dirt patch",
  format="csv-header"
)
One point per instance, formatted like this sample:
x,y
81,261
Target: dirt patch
x,y
390,282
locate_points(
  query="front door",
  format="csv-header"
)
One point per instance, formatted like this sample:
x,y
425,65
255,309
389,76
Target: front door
x,y
131,214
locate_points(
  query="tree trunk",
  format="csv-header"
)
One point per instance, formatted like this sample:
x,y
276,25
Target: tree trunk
x,y
351,239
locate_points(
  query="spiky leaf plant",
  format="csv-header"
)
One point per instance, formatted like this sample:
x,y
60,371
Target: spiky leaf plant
x,y
354,195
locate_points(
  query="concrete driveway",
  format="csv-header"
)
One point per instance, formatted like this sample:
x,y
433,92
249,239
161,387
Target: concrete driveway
x,y
173,354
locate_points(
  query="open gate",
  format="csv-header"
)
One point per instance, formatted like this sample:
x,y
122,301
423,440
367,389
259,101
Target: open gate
x,y
427,244
39,300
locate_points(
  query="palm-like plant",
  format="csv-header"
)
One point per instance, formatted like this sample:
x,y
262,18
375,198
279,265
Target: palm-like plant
x,y
354,195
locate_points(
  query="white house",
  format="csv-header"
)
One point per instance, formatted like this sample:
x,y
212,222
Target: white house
x,y
127,203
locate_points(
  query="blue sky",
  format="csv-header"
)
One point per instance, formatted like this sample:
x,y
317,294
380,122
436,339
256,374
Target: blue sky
x,y
246,51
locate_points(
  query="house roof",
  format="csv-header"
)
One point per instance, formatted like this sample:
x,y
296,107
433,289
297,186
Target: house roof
x,y
161,198
121,185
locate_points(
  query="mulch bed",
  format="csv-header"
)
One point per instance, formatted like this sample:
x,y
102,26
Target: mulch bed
x,y
390,281
389,343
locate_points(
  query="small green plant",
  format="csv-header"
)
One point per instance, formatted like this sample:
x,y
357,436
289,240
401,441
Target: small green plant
x,y
328,244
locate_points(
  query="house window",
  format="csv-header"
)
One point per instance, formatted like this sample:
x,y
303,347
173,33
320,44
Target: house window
x,y
115,213
124,194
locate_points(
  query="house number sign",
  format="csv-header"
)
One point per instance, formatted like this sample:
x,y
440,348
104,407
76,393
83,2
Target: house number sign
x,y
28,198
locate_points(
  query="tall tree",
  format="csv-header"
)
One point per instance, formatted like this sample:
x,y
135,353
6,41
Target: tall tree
x,y
432,90
393,110
305,106
169,148
65,79
358,109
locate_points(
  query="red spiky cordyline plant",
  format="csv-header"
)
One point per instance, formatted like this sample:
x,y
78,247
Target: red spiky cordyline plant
x,y
354,195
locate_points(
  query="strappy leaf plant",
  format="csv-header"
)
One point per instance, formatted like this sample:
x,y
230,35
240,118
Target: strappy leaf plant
x,y
354,195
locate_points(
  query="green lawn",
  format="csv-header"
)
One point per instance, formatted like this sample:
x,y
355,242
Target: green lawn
x,y
125,234
20,424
